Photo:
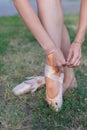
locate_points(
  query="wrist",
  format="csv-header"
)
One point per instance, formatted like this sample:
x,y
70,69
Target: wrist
x,y
50,52
77,41
80,37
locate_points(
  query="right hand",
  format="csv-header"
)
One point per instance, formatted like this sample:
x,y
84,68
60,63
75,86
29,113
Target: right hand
x,y
56,58
74,55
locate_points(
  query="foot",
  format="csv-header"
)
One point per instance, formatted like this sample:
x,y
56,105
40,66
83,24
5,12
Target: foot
x,y
69,79
54,81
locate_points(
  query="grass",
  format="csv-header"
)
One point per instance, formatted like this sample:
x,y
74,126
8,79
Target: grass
x,y
21,56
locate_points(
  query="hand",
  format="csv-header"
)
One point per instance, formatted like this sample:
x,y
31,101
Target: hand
x,y
56,58
74,55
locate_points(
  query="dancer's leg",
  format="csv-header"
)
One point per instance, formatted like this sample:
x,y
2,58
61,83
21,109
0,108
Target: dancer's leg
x,y
51,19
51,16
69,79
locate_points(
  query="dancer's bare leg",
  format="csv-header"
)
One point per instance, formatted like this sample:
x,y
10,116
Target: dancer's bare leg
x,y
51,16
69,78
51,19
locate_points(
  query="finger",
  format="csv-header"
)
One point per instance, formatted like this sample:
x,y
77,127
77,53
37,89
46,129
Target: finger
x,y
74,59
61,61
77,61
76,65
70,55
71,66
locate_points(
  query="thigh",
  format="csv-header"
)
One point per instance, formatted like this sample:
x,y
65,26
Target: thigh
x,y
51,16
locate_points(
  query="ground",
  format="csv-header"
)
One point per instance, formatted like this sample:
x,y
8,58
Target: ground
x,y
22,56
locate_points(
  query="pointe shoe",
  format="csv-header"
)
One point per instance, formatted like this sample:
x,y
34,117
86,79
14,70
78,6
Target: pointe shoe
x,y
56,102
30,85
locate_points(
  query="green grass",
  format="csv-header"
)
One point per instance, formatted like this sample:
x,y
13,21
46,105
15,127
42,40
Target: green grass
x,y
21,56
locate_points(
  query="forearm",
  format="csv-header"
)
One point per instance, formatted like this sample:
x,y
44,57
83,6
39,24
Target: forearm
x,y
33,23
82,27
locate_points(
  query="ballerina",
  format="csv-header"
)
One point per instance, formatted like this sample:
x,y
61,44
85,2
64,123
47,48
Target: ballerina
x,y
49,30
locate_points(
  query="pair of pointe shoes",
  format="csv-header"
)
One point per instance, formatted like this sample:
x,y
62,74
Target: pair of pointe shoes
x,y
33,83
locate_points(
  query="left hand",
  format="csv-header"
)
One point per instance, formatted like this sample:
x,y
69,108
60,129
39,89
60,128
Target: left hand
x,y
74,55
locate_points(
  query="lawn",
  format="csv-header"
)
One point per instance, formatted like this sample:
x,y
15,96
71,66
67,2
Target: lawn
x,y
22,56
